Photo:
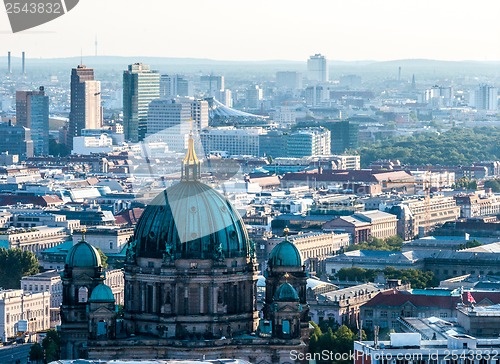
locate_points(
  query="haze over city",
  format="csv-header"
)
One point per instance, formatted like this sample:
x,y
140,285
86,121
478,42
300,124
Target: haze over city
x,y
265,30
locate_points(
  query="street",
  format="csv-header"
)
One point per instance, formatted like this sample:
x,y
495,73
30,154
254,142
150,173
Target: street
x,y
9,354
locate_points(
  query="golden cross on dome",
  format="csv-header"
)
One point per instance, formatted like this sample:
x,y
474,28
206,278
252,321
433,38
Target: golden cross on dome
x,y
84,230
286,231
286,276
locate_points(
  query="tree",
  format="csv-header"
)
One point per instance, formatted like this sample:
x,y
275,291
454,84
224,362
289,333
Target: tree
x,y
15,264
494,184
445,148
58,150
36,353
104,258
393,243
417,278
344,339
339,341
314,338
470,244
356,274
51,344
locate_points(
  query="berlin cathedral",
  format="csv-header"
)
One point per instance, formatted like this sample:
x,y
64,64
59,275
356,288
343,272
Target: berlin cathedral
x,y
190,287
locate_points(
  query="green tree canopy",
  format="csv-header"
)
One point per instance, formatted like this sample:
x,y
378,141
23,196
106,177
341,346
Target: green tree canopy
x,y
332,341
417,278
15,264
51,344
36,353
457,146
393,243
494,184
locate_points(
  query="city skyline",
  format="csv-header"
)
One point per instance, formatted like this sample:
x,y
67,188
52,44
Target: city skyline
x,y
278,30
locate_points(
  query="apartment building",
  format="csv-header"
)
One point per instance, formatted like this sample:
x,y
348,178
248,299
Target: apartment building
x,y
17,305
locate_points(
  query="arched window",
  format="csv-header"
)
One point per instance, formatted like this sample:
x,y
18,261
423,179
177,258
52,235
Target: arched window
x,y
83,294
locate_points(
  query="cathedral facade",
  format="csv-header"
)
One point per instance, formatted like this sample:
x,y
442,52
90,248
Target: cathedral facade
x,y
190,287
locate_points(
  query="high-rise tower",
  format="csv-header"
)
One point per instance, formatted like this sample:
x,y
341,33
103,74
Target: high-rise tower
x,y
32,111
317,68
86,111
141,85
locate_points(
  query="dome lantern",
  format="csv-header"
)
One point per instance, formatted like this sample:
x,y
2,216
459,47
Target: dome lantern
x,y
191,170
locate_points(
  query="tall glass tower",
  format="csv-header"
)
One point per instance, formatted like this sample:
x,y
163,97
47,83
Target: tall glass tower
x,y
141,85
32,112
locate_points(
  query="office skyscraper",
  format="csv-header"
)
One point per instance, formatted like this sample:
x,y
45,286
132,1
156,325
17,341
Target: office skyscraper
x,y
344,136
171,120
309,142
86,111
211,85
32,112
317,68
141,85
16,139
174,85
484,97
289,80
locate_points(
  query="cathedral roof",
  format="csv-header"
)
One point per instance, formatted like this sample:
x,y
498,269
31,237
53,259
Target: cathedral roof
x,y
102,293
285,254
190,220
82,254
286,293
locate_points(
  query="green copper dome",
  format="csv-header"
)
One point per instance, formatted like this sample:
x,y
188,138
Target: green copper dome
x,y
83,254
285,254
286,293
190,220
102,293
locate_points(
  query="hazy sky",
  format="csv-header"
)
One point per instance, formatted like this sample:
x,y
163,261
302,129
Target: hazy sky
x,y
268,29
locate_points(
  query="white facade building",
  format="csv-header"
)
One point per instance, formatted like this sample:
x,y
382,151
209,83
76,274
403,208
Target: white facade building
x,y
33,239
110,239
485,97
285,116
86,145
254,96
231,140
49,282
17,305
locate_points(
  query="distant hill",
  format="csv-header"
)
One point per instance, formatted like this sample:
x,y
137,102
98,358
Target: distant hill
x,y
202,65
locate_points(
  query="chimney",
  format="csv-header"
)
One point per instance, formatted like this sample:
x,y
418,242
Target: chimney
x,y
24,63
9,64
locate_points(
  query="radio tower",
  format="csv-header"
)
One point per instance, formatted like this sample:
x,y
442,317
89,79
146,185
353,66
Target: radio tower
x,y
95,43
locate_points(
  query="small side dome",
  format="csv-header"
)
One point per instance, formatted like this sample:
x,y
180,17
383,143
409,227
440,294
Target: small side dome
x,y
102,293
285,254
286,293
83,255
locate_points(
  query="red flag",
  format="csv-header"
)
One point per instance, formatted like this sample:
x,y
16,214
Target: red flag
x,y
470,299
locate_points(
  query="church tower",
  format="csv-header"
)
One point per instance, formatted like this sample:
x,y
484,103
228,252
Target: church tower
x,y
82,274
286,268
